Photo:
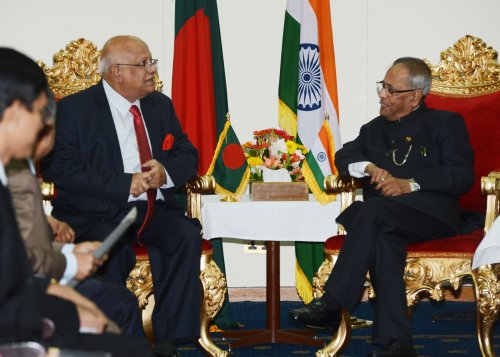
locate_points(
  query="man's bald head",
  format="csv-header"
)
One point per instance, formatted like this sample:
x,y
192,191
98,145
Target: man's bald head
x,y
126,65
117,50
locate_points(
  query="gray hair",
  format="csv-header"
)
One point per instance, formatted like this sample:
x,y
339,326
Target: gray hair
x,y
103,66
419,72
105,62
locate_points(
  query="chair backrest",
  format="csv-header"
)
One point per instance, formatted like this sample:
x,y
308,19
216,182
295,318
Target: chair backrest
x,y
76,68
467,81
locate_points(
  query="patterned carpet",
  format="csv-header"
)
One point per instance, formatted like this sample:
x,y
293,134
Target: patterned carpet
x,y
440,329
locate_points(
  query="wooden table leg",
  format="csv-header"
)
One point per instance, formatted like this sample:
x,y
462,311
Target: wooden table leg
x,y
273,333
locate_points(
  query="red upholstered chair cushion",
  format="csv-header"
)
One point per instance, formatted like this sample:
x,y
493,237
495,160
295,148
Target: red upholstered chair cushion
x,y
481,117
206,248
458,246
140,251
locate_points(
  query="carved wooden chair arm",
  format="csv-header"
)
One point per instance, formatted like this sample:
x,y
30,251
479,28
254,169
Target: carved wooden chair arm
x,y
338,184
346,187
201,185
490,186
47,189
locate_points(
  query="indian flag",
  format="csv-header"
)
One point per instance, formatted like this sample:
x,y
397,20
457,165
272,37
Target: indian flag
x,y
308,88
308,108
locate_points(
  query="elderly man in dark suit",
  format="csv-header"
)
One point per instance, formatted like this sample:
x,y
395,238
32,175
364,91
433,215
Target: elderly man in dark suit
x,y
415,163
119,144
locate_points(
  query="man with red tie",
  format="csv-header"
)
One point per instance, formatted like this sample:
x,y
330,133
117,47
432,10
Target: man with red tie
x,y
118,145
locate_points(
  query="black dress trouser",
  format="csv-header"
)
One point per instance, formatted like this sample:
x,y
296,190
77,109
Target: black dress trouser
x,y
173,243
378,231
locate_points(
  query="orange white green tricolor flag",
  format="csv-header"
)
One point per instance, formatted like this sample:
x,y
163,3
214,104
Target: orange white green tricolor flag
x,y
308,89
307,95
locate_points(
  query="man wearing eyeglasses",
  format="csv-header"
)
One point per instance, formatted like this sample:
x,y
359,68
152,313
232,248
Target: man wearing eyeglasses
x,y
119,145
415,162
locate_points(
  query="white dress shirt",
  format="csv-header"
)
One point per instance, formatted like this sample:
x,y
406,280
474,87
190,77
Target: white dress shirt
x,y
3,175
357,169
124,124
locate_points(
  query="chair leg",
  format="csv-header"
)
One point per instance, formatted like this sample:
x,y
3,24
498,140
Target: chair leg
x,y
214,293
487,288
140,283
339,340
321,276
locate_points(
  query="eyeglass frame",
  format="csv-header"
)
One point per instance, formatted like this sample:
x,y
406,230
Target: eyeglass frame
x,y
147,65
392,91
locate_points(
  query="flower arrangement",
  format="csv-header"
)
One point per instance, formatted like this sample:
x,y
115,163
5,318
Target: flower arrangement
x,y
274,149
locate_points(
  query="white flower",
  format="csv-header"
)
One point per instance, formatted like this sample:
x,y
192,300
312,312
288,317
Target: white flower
x,y
298,152
277,148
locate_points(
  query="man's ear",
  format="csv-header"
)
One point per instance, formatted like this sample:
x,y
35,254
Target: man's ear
x,y
115,73
12,112
417,97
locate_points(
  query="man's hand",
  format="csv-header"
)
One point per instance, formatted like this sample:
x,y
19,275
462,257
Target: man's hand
x,y
86,247
63,233
393,186
92,319
87,263
88,313
139,185
386,183
155,174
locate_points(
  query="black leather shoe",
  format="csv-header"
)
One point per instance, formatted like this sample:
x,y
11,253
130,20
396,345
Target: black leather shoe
x,y
395,349
317,315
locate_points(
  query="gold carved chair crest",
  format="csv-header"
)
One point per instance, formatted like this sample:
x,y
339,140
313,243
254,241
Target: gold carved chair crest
x,y
76,68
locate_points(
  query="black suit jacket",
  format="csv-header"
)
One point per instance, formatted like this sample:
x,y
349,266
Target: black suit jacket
x,y
440,159
20,295
86,164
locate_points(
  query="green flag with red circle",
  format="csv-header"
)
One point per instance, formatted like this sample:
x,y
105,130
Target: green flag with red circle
x,y
229,166
200,96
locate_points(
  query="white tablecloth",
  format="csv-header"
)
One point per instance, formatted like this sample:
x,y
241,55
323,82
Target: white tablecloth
x,y
488,251
268,220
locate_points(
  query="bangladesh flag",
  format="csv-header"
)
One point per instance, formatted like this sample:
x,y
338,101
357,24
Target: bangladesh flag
x,y
308,109
200,97
200,100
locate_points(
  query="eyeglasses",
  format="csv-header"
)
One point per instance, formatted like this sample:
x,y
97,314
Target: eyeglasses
x,y
381,86
148,65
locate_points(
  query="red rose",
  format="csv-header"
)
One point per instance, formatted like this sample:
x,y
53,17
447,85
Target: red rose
x,y
168,142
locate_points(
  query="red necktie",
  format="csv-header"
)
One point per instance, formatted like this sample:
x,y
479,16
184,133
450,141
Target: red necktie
x,y
145,155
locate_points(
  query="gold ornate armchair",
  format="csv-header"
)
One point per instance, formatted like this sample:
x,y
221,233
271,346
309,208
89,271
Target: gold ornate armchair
x,y
467,81
75,69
